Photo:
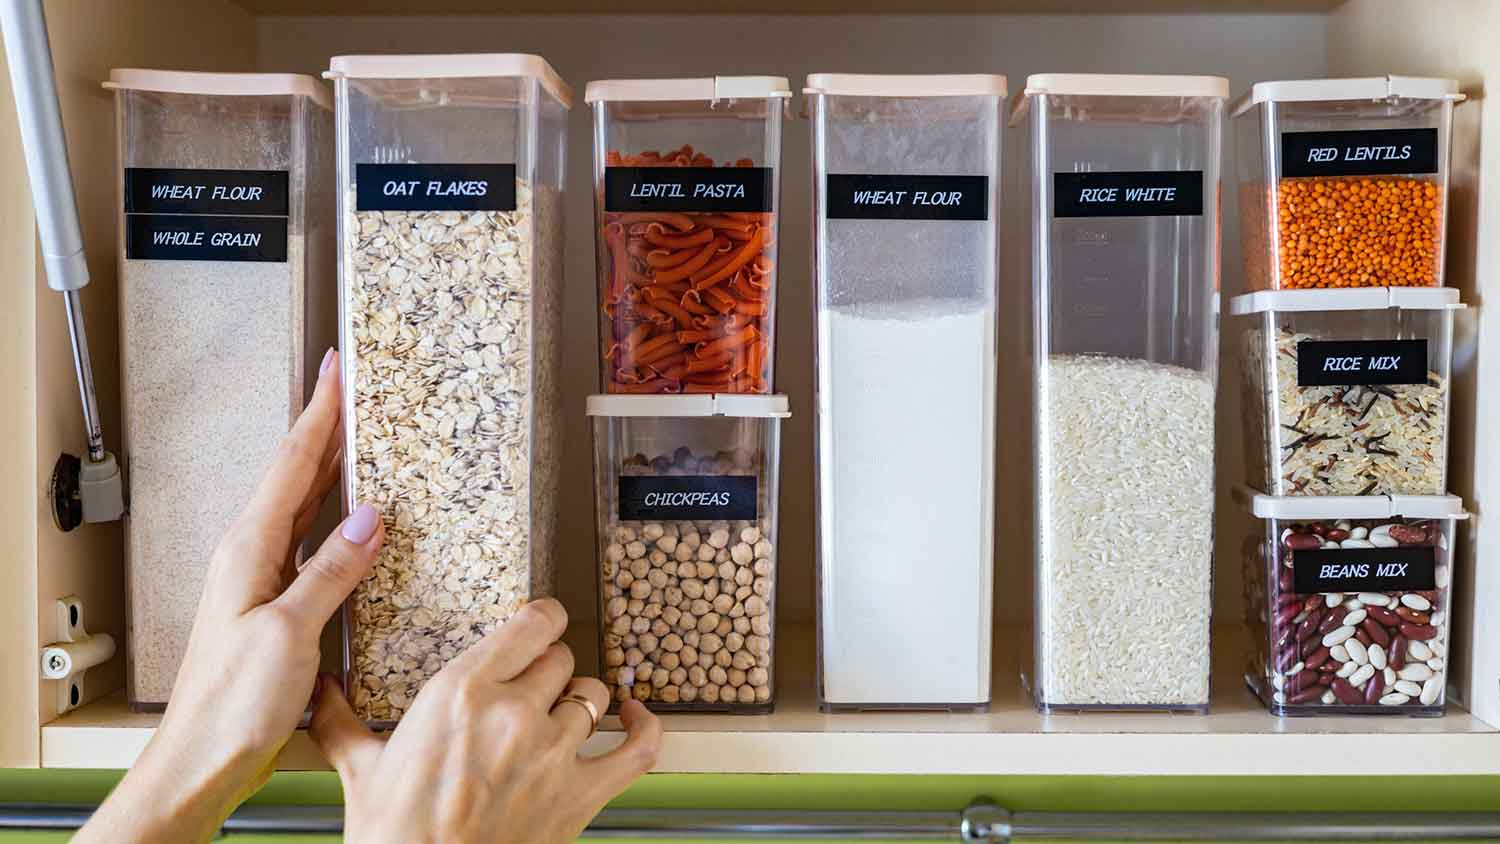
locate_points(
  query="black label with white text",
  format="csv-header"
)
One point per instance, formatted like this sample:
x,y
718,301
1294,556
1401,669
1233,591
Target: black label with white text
x,y
1336,363
251,193
204,237
907,197
688,497
1366,152
1141,193
1365,570
688,189
434,187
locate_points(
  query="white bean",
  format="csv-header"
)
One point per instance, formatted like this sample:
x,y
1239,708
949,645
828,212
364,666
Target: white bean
x,y
1338,635
1357,651
1416,602
1431,691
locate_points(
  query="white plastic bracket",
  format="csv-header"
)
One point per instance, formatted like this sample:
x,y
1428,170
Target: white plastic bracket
x,y
74,652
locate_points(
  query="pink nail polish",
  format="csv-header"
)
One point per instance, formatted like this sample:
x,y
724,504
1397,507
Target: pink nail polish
x,y
327,359
360,525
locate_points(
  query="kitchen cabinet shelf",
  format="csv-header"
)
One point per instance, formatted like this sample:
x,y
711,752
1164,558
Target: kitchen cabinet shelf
x,y
798,7
1237,737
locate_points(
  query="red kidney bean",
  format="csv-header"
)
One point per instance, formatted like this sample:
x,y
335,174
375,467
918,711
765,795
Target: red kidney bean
x,y
1414,616
1345,692
1313,603
1319,529
1384,616
1420,632
1362,636
1396,656
1336,535
1329,667
1325,679
1303,542
1307,627
1306,695
1409,534
1376,632
1285,659
1285,582
1287,613
1305,678
1286,600
1311,646
1334,619
1372,689
1318,657
1430,594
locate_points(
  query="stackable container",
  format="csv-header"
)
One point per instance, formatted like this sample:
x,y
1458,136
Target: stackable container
x,y
906,186
1350,389
686,500
450,177
1348,600
1344,182
1125,261
226,267
686,189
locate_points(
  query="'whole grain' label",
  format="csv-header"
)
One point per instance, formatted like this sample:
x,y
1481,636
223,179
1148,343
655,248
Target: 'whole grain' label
x,y
1140,193
907,197
1364,570
251,193
204,237
434,187
688,189
1335,363
688,497
1359,152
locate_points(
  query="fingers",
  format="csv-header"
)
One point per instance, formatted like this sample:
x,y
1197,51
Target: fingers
x,y
303,452
350,747
575,722
613,772
543,681
333,572
505,653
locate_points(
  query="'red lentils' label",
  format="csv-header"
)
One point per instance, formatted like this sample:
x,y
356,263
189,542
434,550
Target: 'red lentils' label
x,y
1359,152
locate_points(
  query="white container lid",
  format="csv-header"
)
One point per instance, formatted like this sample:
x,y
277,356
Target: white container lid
x,y
452,66
1323,507
742,405
1347,299
219,84
1127,85
707,88
906,85
1362,88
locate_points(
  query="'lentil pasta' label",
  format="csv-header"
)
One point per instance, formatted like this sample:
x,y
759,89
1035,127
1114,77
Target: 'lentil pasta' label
x,y
1364,570
435,187
1364,152
1332,363
688,498
907,197
686,189
1139,193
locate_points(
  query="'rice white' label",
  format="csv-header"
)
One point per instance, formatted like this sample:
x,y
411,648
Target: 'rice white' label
x,y
1140,193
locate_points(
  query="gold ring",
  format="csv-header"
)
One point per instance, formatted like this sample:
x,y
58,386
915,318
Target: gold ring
x,y
588,706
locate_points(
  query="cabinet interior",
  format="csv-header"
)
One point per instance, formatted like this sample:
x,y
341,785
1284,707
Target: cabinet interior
x,y
1246,42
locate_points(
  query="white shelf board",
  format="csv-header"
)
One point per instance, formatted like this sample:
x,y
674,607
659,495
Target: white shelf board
x,y
790,7
1237,738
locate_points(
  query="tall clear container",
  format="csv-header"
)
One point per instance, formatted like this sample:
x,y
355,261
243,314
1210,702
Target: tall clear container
x,y
1344,182
1125,263
226,270
1350,390
451,178
906,186
686,190
686,500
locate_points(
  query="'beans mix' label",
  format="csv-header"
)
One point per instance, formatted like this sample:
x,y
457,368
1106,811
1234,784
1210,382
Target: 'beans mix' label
x,y
1334,363
907,197
1365,570
435,187
206,214
1360,152
688,498
686,189
1140,193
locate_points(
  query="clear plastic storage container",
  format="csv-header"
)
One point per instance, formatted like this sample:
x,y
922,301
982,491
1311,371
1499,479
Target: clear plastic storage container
x,y
1349,390
906,186
686,501
226,269
1348,600
1125,262
450,177
1344,182
686,188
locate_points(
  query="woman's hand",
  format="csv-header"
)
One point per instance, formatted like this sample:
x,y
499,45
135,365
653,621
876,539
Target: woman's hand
x,y
252,659
486,754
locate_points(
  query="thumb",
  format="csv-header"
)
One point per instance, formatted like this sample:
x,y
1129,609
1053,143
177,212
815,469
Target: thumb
x,y
349,745
332,573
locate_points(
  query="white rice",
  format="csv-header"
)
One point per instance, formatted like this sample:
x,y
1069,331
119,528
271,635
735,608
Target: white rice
x,y
1125,533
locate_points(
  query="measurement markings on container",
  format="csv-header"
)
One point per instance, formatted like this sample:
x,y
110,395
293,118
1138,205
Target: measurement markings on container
x,y
907,197
1136,193
1364,570
688,189
1336,363
688,498
1360,152
434,187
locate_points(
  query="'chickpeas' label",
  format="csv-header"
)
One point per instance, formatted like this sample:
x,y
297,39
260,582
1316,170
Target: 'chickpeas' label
x,y
907,197
1360,152
1364,570
1142,193
688,189
434,187
1335,363
688,497
187,214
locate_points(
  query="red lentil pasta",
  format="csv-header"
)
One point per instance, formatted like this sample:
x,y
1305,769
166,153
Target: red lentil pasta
x,y
686,296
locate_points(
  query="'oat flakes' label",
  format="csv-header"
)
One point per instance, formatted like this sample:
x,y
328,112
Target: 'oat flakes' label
x,y
689,189
184,214
1359,152
435,187
688,498
1336,363
1364,570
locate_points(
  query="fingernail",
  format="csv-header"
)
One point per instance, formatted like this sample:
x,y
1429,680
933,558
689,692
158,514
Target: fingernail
x,y
327,359
360,525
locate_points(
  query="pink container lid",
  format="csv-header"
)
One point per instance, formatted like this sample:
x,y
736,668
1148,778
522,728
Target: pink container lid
x,y
219,84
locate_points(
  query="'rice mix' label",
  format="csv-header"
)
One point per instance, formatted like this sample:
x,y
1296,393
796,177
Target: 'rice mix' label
x,y
1334,363
1365,570
434,187
1139,193
1359,152
906,197
206,214
688,189
688,498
